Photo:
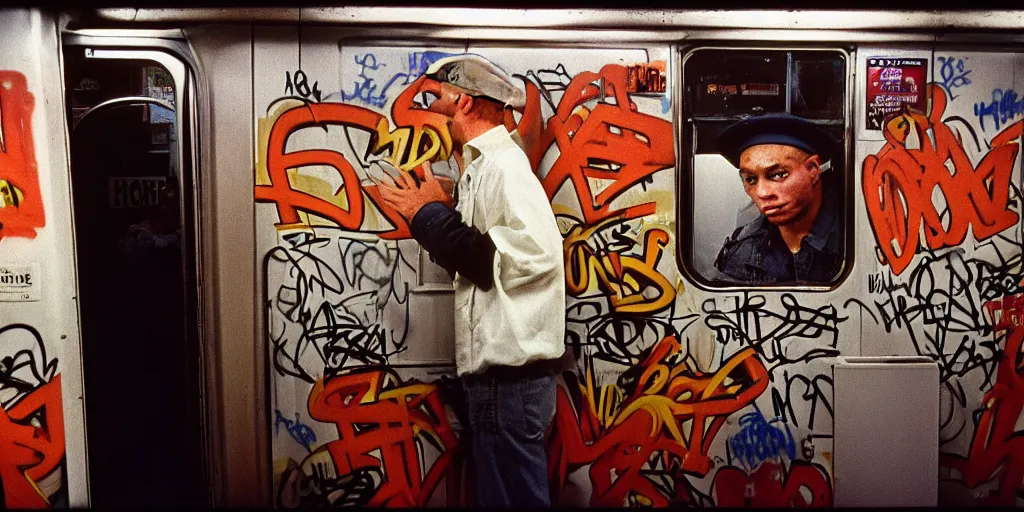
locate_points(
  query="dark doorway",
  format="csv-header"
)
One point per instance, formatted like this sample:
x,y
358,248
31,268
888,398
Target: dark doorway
x,y
137,289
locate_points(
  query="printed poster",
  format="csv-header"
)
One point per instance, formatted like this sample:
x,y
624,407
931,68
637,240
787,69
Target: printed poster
x,y
893,83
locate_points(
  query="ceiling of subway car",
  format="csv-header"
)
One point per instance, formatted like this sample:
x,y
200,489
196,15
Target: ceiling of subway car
x,y
597,18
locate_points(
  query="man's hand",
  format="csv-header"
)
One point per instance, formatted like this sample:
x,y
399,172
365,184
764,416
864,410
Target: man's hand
x,y
407,198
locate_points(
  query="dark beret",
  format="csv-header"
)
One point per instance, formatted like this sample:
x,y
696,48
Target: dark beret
x,y
785,129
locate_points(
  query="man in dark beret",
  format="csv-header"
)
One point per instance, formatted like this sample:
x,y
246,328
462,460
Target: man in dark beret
x,y
797,238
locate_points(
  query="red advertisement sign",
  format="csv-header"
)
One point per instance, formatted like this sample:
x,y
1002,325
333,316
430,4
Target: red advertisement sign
x,y
893,83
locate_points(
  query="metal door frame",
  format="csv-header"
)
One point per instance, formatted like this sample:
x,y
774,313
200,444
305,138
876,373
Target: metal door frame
x,y
175,56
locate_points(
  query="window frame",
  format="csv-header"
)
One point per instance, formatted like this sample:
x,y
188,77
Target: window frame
x,y
686,151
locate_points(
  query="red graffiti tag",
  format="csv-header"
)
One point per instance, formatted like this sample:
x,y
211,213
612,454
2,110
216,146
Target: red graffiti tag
x,y
997,449
770,485
421,136
649,425
1006,313
899,183
21,204
29,453
392,422
615,142
611,141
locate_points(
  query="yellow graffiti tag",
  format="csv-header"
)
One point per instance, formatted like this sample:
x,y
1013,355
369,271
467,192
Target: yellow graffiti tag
x,y
10,195
409,148
624,277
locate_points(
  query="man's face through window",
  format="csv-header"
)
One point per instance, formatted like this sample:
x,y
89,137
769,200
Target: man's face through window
x,y
783,181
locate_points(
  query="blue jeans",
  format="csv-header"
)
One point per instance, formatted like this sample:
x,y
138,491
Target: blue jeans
x,y
507,421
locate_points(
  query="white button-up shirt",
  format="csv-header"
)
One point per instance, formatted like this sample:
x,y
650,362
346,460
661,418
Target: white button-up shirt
x,y
521,319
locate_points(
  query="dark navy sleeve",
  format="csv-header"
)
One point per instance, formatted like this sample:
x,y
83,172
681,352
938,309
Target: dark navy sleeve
x,y
453,245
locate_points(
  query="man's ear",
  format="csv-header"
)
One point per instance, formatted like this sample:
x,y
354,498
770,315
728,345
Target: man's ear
x,y
814,167
464,104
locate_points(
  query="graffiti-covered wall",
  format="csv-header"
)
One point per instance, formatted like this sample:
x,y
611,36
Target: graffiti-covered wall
x,y
42,440
678,394
941,197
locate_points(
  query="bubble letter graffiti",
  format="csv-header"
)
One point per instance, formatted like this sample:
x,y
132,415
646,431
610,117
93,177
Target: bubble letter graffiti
x,y
900,183
31,421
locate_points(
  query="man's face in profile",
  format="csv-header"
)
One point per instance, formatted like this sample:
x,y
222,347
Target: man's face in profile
x,y
442,98
783,181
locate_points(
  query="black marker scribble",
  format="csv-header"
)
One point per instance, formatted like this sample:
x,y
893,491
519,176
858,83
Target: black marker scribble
x,y
320,318
24,365
798,334
941,305
804,390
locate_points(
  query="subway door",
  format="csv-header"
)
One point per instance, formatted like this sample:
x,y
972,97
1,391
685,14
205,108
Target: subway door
x,y
136,276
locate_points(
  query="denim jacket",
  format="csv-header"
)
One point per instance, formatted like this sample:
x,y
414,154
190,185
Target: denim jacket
x,y
757,254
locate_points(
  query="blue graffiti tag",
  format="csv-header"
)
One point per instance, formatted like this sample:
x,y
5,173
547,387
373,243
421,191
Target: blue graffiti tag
x,y
954,74
365,89
299,432
758,440
1004,107
420,61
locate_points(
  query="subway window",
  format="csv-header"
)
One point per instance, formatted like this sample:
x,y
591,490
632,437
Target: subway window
x,y
764,147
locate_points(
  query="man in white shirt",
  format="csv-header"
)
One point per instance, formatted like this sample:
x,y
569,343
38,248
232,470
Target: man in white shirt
x,y
503,248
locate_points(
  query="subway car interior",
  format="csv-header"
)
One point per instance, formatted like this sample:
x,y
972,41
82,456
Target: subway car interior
x,y
205,299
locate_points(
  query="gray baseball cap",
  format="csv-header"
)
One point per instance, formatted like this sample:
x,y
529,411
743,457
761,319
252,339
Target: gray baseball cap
x,y
479,77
